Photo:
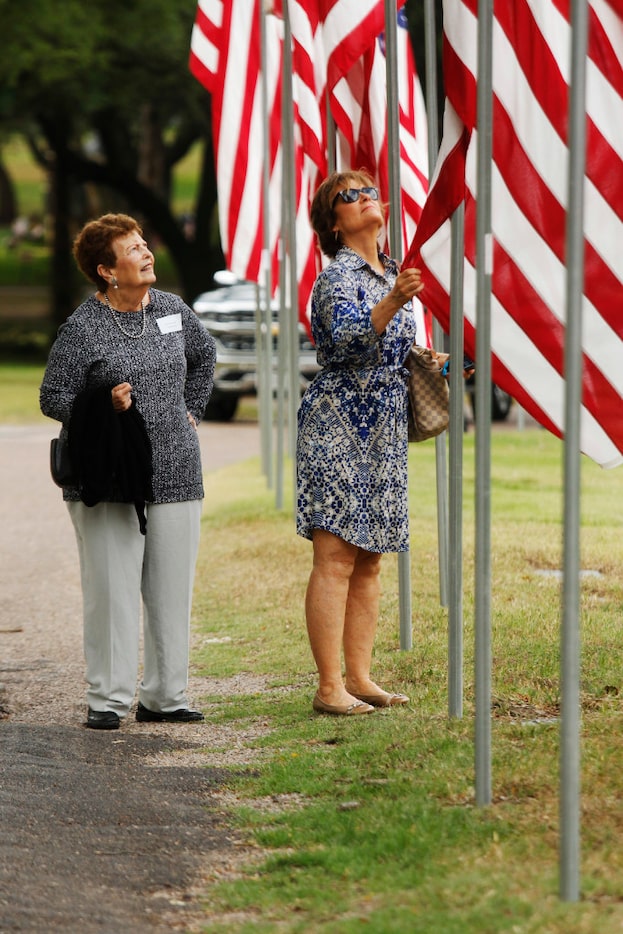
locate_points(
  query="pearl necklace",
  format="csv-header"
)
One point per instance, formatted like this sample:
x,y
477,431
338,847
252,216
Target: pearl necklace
x,y
134,337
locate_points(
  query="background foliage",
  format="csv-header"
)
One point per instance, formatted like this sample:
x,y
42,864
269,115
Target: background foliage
x,y
102,96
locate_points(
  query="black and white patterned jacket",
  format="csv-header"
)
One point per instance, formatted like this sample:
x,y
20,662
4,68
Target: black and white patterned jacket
x,y
170,368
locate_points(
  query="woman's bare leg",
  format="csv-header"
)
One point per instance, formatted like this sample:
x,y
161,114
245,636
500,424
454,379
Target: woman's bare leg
x,y
362,612
325,609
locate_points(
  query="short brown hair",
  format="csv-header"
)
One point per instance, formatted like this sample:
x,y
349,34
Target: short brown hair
x,y
93,245
322,214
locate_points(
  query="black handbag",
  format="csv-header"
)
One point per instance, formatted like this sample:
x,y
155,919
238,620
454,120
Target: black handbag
x,y
60,463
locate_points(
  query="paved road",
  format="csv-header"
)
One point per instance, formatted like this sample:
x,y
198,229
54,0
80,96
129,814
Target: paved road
x,y
101,833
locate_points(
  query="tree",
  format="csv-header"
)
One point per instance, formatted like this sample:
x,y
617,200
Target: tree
x,y
8,206
103,93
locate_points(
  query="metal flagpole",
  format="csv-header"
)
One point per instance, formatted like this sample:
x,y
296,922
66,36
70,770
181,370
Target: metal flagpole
x,y
396,249
570,636
264,332
282,356
484,259
291,317
281,368
450,510
438,335
288,372
455,540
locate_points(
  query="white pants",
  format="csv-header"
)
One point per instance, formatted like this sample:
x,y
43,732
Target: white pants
x,y
118,565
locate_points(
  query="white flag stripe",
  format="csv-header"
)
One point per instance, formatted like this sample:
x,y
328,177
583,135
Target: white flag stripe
x,y
244,237
338,24
229,151
213,11
611,24
548,153
308,108
348,103
205,50
602,98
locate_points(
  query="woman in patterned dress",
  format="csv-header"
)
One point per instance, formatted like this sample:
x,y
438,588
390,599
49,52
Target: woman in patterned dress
x,y
352,439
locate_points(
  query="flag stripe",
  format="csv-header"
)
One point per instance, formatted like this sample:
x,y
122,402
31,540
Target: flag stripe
x,y
349,27
204,43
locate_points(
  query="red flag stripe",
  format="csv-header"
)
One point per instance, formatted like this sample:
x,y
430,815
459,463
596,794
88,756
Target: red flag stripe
x,y
542,61
236,122
543,211
308,73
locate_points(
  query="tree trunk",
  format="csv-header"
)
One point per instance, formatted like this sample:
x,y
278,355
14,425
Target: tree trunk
x,y
62,284
8,203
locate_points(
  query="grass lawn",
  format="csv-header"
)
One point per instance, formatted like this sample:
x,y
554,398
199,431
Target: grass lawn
x,y
378,828
370,823
19,393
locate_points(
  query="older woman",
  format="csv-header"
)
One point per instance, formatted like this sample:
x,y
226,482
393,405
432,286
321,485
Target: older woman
x,y
132,348
352,440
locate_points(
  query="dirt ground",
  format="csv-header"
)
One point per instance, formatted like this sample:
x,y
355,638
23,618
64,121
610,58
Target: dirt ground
x,y
102,832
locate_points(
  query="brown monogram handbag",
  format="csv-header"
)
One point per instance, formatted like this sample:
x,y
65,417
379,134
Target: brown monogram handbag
x,y
428,395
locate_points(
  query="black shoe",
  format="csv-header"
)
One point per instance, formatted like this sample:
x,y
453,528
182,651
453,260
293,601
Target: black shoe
x,y
102,720
183,715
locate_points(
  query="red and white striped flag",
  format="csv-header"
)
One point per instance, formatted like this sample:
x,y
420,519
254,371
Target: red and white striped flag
x,y
225,58
359,106
328,38
531,62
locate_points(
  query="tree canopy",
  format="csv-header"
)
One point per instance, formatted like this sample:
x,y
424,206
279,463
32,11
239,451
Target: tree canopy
x,y
103,93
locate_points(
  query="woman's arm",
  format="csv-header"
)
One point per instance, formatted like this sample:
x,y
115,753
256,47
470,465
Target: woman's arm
x,y
65,373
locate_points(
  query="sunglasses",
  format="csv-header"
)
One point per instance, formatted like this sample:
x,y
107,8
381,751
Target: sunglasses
x,y
350,195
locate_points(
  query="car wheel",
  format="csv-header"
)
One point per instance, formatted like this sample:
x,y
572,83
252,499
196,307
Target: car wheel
x,y
500,401
221,407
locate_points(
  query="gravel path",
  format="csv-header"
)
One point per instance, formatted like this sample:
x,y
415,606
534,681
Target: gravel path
x,y
101,832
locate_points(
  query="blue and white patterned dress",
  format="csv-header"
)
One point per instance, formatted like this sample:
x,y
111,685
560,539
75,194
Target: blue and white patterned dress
x,y
352,422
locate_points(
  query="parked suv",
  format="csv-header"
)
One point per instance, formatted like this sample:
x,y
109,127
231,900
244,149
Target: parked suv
x,y
229,313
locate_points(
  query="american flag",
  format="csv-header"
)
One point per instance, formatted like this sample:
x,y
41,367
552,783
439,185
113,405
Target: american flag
x,y
340,30
233,81
359,106
328,38
531,80
331,39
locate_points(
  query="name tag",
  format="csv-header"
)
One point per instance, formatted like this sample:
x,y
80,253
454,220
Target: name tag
x,y
169,323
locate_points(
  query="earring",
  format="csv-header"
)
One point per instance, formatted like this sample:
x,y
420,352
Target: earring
x,y
113,282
